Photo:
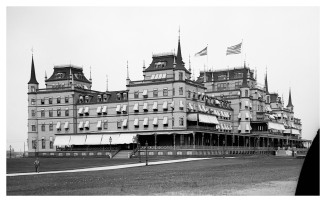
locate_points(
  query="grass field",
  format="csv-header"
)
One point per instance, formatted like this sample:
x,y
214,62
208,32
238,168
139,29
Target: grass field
x,y
262,175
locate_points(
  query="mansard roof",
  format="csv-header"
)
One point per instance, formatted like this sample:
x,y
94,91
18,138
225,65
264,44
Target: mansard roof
x,y
62,73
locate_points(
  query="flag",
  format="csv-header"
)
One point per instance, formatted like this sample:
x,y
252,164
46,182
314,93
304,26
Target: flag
x,y
236,49
202,52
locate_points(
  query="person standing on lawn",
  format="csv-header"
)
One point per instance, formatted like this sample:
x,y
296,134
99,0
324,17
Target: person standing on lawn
x,y
37,165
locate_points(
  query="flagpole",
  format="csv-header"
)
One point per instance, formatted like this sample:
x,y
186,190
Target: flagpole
x,y
242,52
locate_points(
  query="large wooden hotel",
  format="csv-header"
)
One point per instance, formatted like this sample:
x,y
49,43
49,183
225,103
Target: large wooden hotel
x,y
222,112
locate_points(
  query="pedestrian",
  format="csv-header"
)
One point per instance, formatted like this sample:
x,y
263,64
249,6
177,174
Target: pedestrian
x,y
37,165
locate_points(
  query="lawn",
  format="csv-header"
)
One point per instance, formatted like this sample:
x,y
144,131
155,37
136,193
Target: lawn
x,y
204,177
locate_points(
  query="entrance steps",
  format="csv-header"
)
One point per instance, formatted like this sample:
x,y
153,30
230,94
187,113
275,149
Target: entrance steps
x,y
123,154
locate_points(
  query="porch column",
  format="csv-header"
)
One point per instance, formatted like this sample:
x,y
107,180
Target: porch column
x,y
155,136
238,141
202,139
193,140
174,141
210,140
226,140
218,140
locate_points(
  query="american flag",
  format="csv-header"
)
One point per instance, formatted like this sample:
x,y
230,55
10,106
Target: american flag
x,y
236,49
202,52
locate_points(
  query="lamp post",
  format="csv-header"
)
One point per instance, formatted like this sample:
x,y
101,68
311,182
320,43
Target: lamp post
x,y
110,140
139,151
146,144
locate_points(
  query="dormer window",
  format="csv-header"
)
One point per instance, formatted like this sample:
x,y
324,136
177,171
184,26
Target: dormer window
x,y
105,98
99,98
81,99
221,77
158,65
180,76
124,96
86,99
118,96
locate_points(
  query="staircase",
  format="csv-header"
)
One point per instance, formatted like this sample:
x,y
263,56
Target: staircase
x,y
123,154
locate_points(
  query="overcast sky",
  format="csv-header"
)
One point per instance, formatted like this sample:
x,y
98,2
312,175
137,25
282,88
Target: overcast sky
x,y
283,39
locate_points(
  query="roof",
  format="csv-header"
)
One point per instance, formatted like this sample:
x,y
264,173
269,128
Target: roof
x,y
167,60
62,73
290,100
32,80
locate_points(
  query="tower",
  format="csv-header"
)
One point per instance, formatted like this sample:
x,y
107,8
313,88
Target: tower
x,y
127,79
245,109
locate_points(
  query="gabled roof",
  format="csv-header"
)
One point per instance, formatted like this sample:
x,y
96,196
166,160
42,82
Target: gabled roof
x,y
62,73
32,80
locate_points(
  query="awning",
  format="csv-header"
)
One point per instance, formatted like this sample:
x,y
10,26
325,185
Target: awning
x,y
279,115
192,117
165,105
104,110
287,131
86,110
99,110
145,123
145,92
200,109
275,126
217,102
190,106
80,111
217,127
239,115
155,121
136,107
118,109
145,106
93,139
61,140
125,123
99,124
246,103
66,125
226,114
118,138
285,116
247,115
295,132
136,122
58,125
155,106
203,118
222,126
222,114
172,104
181,104
81,125
268,108
165,120
86,124
77,140
247,127
124,108
239,127
271,116
250,105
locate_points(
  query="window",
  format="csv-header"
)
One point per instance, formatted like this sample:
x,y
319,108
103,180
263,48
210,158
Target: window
x,y
42,101
51,113
180,76
33,112
180,90
86,99
33,128
43,143
173,91
125,97
181,121
268,99
34,144
118,96
238,75
43,127
155,93
165,92
172,121
105,124
51,142
136,94
51,126
238,84
66,99
119,124
105,98
221,77
42,112
33,101
246,93
58,112
50,100
189,93
33,88
67,112
58,100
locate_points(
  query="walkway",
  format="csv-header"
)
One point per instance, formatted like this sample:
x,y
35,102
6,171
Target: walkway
x,y
107,167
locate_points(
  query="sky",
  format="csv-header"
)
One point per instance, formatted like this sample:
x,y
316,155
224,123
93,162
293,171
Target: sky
x,y
284,41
